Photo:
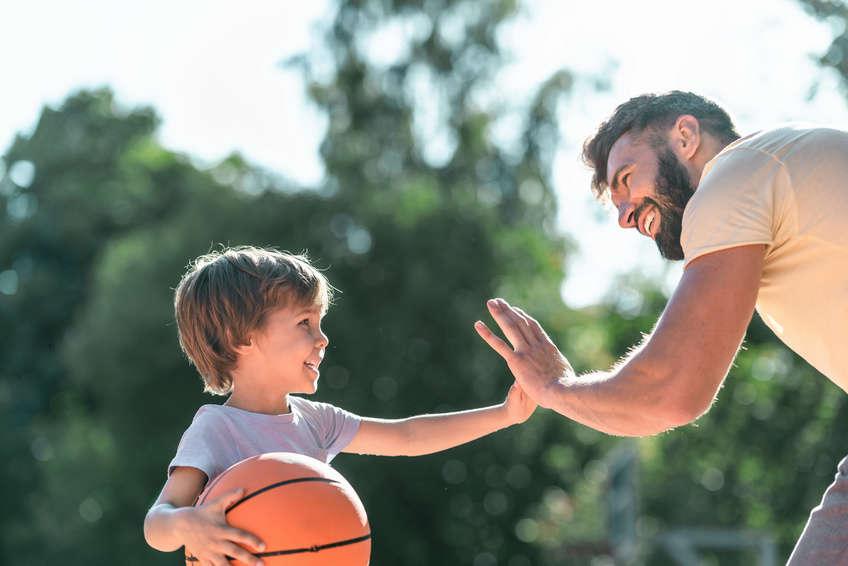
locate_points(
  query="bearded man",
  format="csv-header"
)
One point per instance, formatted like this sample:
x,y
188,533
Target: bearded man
x,y
759,221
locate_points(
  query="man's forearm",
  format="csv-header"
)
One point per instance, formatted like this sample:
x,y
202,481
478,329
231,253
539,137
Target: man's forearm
x,y
624,401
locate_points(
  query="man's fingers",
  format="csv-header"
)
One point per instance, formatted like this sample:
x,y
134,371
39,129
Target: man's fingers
x,y
534,326
492,340
512,324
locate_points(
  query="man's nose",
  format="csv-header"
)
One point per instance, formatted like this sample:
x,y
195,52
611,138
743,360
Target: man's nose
x,y
626,216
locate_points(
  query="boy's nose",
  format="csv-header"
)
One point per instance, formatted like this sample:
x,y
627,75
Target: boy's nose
x,y
323,340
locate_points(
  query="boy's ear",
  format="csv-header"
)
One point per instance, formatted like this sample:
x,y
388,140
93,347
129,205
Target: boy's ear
x,y
245,347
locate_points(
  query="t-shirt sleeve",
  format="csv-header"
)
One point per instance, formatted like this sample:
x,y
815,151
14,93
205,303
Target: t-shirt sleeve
x,y
742,200
197,448
335,427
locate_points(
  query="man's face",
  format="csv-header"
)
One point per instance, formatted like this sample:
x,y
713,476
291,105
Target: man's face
x,y
650,188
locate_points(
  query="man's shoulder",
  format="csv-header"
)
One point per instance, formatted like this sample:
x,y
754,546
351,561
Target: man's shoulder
x,y
749,157
777,140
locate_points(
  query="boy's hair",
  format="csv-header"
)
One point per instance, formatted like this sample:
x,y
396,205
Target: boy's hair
x,y
654,113
225,295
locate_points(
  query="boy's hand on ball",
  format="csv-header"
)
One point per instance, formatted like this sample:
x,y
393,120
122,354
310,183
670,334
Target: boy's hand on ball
x,y
211,539
519,406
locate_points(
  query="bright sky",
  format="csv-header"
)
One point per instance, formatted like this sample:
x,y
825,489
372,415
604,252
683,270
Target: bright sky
x,y
211,70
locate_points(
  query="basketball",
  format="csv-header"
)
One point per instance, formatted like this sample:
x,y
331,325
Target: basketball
x,y
305,511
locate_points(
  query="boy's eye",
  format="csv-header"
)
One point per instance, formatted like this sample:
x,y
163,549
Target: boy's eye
x,y
304,322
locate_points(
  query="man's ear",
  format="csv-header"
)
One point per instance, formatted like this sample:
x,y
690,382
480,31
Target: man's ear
x,y
685,137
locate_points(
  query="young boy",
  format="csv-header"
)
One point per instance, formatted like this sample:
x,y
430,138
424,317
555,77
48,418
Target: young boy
x,y
249,319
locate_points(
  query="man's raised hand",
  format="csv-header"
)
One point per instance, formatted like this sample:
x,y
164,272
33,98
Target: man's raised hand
x,y
538,366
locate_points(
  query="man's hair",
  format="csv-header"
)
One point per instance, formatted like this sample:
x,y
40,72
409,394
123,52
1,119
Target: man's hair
x,y
225,295
653,114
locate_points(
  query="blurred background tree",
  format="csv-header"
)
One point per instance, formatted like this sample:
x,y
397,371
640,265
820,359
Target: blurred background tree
x,y
424,214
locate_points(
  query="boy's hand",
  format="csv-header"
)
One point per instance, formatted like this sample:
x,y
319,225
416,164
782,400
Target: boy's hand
x,y
211,540
519,406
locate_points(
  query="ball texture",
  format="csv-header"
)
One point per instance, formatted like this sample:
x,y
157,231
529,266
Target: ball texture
x,y
305,511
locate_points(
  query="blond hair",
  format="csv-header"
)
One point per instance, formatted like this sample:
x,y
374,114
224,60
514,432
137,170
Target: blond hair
x,y
225,295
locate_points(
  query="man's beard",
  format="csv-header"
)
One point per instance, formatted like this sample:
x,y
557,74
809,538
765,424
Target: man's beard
x,y
673,191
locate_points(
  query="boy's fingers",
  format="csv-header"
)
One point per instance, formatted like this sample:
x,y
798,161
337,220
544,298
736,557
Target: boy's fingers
x,y
230,497
245,538
239,553
496,343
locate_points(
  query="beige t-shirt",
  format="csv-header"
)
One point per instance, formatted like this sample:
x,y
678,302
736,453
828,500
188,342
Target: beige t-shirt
x,y
787,188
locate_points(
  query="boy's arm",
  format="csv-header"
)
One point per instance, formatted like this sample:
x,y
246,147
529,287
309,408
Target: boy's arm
x,y
173,521
426,434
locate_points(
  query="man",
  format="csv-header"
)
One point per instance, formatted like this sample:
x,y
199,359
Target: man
x,y
759,221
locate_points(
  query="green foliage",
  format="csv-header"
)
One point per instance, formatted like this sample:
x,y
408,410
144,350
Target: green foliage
x,y
79,180
415,247
834,12
760,459
100,221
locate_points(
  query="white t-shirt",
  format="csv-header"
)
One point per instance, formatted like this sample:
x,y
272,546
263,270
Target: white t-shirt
x,y
786,188
220,435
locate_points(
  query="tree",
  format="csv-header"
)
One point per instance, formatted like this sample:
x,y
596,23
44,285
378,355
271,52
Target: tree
x,y
836,56
88,172
416,244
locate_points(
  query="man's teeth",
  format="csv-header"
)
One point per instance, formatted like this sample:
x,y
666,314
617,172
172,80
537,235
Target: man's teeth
x,y
648,222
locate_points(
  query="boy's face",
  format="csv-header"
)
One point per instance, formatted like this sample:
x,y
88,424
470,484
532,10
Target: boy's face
x,y
290,346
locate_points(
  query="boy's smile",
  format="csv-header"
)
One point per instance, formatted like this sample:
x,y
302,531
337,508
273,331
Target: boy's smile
x,y
290,336
283,356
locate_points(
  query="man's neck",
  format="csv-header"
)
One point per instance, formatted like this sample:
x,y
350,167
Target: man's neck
x,y
707,150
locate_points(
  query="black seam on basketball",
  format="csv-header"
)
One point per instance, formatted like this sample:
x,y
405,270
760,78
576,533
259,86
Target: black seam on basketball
x,y
274,486
314,548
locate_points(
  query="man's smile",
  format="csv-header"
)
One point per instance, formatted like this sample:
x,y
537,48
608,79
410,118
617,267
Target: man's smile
x,y
648,222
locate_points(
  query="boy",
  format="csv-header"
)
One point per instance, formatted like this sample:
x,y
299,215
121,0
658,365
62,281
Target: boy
x,y
249,319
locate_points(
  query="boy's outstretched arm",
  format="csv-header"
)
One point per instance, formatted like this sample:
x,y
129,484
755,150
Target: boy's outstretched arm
x,y
425,434
173,522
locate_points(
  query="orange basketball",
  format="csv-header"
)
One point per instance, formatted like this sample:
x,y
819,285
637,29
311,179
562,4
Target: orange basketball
x,y
304,510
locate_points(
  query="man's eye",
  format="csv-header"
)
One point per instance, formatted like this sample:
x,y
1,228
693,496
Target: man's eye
x,y
305,322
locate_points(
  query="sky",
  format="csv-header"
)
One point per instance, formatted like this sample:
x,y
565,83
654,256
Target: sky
x,y
213,74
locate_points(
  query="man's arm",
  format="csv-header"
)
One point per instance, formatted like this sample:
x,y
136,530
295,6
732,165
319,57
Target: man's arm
x,y
671,378
426,434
